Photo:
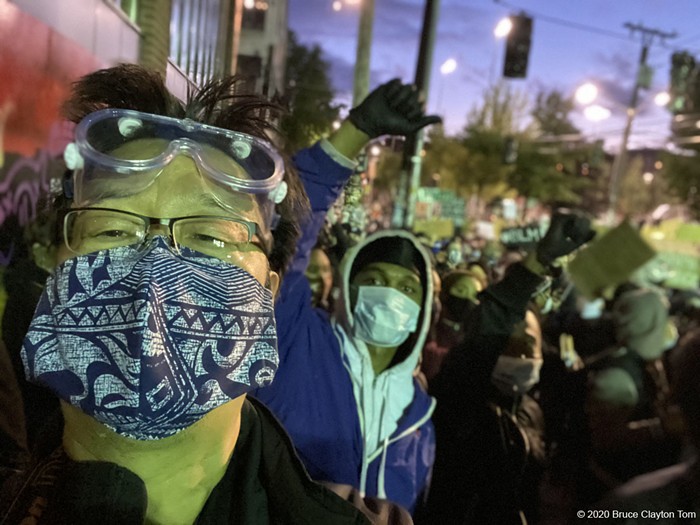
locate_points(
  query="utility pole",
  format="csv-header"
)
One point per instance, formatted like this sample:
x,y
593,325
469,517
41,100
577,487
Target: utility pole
x,y
642,80
404,208
362,56
354,212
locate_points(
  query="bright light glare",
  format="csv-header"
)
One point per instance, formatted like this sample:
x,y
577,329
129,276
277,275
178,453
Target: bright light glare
x,y
336,124
337,5
596,113
352,2
662,99
375,150
249,4
503,28
448,66
648,177
586,93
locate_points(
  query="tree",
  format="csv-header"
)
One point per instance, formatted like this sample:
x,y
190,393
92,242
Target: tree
x,y
446,162
309,96
551,114
503,111
682,175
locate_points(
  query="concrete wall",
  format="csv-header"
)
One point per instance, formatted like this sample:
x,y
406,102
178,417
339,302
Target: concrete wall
x,y
96,25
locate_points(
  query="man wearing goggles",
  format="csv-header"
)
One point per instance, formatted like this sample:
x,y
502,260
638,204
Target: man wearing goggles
x,y
178,220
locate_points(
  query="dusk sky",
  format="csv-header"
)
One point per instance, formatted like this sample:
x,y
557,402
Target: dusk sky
x,y
562,56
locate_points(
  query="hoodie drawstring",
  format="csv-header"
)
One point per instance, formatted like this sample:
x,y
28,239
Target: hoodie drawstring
x,y
381,492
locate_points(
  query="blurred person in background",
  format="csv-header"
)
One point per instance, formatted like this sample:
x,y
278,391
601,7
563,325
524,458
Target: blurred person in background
x,y
498,362
675,488
320,276
458,298
634,425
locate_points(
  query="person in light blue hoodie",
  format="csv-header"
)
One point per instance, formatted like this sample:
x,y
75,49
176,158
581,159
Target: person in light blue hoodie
x,y
346,389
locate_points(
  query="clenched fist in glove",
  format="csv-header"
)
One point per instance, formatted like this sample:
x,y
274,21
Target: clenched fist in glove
x,y
391,109
567,232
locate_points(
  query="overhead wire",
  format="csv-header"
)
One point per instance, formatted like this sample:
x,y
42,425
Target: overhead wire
x,y
566,23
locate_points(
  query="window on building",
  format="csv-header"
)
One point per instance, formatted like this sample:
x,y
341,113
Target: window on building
x,y
194,36
254,12
249,69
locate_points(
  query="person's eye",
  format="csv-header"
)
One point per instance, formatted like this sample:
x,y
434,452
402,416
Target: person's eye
x,y
112,234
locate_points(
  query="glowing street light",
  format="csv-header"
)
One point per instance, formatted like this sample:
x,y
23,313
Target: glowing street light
x,y
448,66
596,113
503,28
662,99
586,93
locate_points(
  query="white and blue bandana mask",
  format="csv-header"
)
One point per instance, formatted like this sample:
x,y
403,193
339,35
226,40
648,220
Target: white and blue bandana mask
x,y
149,341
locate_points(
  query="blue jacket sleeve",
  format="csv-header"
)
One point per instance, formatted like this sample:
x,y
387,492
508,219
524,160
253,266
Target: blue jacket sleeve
x,y
323,179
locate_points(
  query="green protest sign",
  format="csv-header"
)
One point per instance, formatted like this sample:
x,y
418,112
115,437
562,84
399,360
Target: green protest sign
x,y
609,260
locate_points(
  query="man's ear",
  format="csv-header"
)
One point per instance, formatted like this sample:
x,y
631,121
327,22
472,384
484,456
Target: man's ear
x,y
274,283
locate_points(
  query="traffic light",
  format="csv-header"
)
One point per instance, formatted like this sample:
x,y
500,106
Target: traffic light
x,y
518,47
682,71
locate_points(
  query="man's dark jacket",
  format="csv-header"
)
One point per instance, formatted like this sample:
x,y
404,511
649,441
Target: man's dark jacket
x,y
265,483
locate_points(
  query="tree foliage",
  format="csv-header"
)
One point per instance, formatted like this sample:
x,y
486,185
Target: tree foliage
x,y
551,114
503,111
309,96
682,175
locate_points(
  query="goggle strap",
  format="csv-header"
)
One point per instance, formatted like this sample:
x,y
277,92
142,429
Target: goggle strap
x,y
67,185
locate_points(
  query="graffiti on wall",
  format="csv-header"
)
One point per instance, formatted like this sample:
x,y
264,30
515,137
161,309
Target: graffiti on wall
x,y
38,66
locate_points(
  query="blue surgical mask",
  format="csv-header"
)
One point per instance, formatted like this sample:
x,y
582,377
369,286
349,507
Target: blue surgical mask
x,y
384,317
149,341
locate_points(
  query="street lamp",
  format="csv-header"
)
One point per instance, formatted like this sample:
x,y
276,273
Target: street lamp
x,y
448,66
503,28
586,93
596,113
662,99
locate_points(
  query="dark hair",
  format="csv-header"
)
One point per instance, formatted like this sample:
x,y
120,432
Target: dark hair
x,y
685,369
218,103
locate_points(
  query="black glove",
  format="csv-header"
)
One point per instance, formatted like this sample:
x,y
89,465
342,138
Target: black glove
x,y
391,109
566,232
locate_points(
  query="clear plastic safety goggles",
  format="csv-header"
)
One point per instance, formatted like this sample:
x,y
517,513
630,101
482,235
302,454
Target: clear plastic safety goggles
x,y
120,152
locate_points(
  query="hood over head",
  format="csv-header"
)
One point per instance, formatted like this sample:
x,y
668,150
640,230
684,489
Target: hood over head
x,y
396,247
640,318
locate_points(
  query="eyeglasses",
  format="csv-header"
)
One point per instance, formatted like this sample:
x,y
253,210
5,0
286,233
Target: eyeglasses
x,y
88,230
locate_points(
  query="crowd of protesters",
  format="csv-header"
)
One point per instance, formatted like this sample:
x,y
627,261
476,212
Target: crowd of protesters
x,y
187,340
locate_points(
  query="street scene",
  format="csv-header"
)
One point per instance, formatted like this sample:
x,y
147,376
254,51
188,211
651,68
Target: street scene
x,y
349,261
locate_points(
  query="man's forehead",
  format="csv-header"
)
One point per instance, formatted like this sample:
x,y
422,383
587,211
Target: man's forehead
x,y
391,269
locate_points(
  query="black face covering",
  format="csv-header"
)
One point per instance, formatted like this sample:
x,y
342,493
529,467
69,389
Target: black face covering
x,y
458,308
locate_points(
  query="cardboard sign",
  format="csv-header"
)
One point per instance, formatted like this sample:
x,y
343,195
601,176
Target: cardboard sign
x,y
609,260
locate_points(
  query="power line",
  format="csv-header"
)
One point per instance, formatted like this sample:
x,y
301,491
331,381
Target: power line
x,y
565,23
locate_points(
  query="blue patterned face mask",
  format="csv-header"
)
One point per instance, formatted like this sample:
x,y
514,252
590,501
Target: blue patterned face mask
x,y
149,341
